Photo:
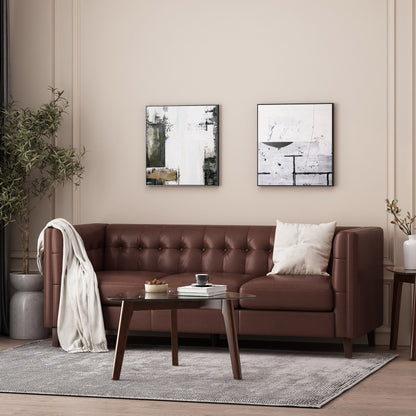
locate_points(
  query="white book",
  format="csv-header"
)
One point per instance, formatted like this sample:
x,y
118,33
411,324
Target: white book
x,y
209,290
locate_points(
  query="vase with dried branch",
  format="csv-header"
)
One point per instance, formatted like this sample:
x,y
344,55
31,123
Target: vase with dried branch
x,y
405,224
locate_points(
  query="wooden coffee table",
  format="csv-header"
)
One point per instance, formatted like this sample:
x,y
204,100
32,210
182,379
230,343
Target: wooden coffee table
x,y
140,300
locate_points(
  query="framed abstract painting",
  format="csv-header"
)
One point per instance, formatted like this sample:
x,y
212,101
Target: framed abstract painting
x,y
295,144
182,145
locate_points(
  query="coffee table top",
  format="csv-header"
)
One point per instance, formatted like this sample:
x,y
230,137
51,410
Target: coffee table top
x,y
172,295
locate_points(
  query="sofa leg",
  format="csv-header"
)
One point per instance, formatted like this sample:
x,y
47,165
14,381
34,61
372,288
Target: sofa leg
x,y
347,347
371,336
55,341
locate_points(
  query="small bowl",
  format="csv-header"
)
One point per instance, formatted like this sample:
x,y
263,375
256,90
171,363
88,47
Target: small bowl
x,y
156,288
156,295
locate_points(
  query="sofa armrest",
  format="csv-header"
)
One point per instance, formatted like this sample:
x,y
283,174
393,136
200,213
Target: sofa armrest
x,y
357,274
93,236
52,271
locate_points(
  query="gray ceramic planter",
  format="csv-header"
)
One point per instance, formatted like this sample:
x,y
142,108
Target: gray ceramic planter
x,y
26,307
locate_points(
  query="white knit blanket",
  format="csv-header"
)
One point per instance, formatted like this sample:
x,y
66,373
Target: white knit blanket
x,y
80,320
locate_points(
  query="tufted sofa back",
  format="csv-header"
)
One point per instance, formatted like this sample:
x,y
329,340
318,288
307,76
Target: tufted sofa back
x,y
189,248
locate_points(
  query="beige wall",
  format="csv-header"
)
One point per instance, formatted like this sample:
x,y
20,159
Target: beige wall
x,y
115,57
237,54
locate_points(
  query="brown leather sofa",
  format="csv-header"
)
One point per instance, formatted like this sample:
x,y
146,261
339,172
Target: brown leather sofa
x,y
346,304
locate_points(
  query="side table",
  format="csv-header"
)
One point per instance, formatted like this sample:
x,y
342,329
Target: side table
x,y
402,275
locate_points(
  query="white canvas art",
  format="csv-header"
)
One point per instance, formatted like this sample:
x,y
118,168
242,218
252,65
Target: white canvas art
x,y
295,144
182,145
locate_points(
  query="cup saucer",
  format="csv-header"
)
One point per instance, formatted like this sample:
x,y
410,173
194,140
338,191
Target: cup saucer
x,y
197,285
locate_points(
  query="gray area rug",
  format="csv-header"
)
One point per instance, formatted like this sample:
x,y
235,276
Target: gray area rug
x,y
270,378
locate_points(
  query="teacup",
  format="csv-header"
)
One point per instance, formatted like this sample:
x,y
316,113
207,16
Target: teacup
x,y
202,279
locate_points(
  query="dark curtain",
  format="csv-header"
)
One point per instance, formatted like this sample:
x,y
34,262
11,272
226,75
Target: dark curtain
x,y
4,44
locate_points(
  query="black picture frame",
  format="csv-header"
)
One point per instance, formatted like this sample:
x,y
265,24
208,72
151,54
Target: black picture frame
x,y
295,144
182,145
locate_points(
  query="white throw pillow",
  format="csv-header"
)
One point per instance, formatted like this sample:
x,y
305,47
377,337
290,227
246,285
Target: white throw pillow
x,y
302,248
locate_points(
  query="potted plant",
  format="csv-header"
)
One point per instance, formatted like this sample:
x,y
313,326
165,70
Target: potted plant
x,y
405,224
32,165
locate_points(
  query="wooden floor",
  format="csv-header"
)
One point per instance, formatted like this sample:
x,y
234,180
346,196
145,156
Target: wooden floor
x,y
391,391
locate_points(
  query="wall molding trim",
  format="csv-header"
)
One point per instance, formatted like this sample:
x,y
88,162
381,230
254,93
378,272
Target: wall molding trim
x,y
414,101
391,124
76,134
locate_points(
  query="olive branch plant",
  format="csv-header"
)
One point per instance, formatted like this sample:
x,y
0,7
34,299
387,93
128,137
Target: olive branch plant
x,y
404,224
32,165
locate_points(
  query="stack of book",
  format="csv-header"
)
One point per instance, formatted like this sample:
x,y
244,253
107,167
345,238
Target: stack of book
x,y
208,290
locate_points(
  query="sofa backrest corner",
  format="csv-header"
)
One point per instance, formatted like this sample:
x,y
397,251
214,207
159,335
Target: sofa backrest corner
x,y
93,236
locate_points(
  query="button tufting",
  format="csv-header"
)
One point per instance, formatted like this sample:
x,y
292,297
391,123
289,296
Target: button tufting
x,y
203,249
225,250
246,250
160,248
181,249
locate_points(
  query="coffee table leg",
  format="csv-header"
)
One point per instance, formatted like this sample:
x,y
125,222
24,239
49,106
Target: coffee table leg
x,y
174,335
395,312
123,329
231,330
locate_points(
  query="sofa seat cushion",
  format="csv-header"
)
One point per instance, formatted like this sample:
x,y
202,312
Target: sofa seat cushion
x,y
232,280
289,292
112,282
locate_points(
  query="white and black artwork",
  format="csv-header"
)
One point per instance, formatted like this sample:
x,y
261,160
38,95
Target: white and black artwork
x,y
182,145
295,144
